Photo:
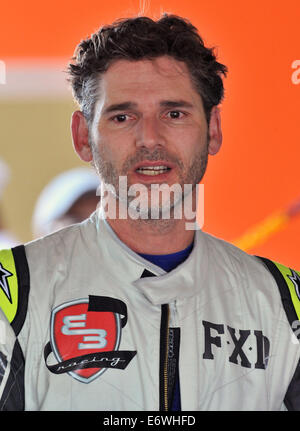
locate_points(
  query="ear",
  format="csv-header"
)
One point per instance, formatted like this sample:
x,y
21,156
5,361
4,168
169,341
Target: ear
x,y
80,136
215,131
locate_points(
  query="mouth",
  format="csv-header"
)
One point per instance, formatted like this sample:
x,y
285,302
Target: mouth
x,y
153,170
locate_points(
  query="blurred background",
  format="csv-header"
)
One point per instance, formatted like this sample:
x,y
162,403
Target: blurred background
x,y
252,187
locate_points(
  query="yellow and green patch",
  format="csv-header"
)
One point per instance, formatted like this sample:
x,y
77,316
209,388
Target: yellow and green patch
x,y
292,279
8,284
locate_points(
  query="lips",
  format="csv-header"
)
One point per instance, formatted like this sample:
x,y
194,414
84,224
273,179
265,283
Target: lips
x,y
149,168
153,170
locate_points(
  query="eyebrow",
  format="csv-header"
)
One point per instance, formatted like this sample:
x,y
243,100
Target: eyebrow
x,y
131,105
119,107
176,104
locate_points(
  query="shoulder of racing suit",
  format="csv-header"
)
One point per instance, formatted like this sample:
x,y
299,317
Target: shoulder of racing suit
x,y
288,282
14,289
14,286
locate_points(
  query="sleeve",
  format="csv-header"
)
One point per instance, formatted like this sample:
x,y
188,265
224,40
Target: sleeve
x,y
292,397
11,369
14,291
288,281
14,286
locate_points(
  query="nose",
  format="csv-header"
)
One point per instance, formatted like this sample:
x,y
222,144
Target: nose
x,y
149,133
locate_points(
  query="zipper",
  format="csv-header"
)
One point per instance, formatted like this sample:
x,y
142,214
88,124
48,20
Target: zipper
x,y
164,347
166,396
169,357
171,321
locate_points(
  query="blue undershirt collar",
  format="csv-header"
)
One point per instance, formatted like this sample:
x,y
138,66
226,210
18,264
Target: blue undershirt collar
x,y
168,261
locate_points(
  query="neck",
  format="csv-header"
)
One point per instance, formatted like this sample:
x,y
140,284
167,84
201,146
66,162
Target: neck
x,y
152,236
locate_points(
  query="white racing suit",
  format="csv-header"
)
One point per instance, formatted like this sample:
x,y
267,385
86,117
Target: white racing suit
x,y
93,326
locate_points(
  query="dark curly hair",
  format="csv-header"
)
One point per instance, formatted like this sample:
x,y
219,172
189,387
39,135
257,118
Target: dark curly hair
x,y
142,38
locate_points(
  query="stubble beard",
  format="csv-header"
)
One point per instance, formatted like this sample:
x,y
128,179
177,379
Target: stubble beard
x,y
109,174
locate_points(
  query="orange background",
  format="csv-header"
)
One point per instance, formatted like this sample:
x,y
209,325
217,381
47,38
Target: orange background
x,y
257,171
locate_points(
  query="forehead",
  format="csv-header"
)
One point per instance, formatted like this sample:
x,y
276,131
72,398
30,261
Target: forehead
x,y
162,76
164,66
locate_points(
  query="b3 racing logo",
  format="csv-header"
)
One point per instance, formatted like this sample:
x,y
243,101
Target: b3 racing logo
x,y
98,340
85,336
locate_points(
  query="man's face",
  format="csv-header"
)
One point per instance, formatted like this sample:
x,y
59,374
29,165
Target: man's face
x,y
149,125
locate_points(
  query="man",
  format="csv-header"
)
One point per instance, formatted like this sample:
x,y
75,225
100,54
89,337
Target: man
x,y
133,309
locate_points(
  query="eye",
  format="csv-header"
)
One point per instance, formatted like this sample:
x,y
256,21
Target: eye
x,y
120,118
175,114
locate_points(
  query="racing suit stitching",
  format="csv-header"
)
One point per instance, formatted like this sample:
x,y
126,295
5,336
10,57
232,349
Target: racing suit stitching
x,y
14,382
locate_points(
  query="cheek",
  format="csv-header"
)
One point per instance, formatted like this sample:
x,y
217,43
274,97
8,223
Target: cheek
x,y
114,145
188,144
105,149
